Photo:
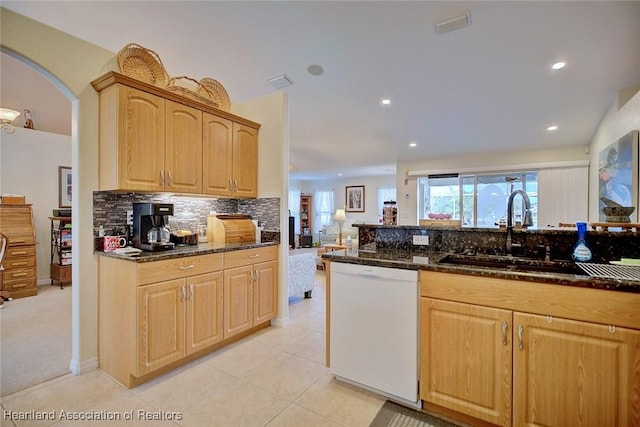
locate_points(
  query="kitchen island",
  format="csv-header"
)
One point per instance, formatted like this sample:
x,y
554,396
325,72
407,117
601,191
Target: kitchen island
x,y
505,347
159,310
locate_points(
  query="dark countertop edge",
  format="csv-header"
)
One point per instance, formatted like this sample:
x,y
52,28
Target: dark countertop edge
x,y
187,251
430,262
557,230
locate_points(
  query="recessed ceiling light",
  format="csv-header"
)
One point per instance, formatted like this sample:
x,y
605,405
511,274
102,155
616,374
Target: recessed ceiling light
x,y
386,101
559,65
339,174
552,128
413,144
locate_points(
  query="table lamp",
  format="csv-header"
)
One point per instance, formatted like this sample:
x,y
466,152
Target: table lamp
x,y
340,217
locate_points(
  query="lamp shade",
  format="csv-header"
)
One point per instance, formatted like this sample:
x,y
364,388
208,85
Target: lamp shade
x,y
340,216
7,115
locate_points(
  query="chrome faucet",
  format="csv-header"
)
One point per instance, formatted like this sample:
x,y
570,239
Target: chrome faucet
x,y
527,221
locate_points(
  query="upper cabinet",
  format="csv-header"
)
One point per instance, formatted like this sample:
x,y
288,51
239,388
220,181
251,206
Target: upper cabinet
x,y
153,140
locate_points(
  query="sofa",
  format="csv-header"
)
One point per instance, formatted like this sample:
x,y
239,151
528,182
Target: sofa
x,y
330,234
302,272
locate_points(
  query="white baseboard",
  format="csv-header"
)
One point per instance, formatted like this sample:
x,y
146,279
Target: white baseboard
x,y
78,368
280,322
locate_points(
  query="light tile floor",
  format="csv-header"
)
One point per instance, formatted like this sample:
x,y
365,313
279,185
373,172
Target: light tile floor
x,y
274,378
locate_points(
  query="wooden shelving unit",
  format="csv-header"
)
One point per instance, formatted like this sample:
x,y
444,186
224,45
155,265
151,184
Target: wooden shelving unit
x,y
60,250
306,215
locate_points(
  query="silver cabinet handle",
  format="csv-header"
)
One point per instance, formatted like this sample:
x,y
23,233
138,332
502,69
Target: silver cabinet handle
x,y
230,185
170,178
235,185
161,177
252,279
184,294
504,332
520,342
187,267
191,292
257,275
254,256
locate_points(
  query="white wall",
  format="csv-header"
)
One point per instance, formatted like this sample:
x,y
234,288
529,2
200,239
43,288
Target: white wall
x,y
618,121
408,191
371,186
29,161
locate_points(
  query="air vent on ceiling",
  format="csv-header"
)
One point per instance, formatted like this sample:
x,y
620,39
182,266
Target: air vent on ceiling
x,y
454,23
281,81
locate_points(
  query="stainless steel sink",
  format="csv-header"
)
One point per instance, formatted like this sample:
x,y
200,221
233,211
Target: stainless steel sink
x,y
511,263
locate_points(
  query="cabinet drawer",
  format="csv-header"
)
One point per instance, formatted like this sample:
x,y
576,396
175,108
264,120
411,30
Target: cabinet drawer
x,y
19,283
250,256
15,252
12,263
176,268
19,236
19,274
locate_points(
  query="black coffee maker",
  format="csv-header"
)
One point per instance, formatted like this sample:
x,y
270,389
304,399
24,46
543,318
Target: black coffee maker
x,y
150,231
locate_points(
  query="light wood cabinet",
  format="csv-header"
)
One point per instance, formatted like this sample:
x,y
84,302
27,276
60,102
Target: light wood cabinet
x,y
154,316
466,360
250,289
152,139
477,340
20,262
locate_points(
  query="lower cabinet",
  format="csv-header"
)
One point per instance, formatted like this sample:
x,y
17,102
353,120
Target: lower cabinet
x,y
153,315
177,318
512,368
250,289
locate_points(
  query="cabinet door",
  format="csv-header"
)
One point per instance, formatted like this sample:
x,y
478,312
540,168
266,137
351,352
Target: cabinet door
x,y
245,161
265,291
204,311
160,324
238,300
570,373
141,130
217,149
465,359
183,148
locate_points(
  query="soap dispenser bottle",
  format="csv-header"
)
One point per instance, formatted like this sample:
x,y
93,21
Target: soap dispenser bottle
x,y
581,251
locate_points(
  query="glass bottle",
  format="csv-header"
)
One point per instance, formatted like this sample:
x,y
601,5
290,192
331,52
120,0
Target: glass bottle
x,y
581,251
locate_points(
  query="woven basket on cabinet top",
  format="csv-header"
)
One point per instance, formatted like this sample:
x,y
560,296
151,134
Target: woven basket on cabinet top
x,y
142,64
200,94
217,93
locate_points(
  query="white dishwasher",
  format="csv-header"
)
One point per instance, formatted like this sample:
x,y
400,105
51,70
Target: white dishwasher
x,y
374,329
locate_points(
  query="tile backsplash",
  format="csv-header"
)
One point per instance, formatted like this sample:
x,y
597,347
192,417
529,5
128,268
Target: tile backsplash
x,y
110,208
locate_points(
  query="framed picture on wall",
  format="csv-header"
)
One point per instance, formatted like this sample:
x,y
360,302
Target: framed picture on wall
x,y
618,173
354,198
64,187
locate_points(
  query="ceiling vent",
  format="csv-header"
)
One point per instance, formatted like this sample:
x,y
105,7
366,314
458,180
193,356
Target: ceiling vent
x,y
454,23
281,81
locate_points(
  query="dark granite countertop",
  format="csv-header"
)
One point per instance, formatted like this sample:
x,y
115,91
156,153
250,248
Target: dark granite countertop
x,y
186,251
432,261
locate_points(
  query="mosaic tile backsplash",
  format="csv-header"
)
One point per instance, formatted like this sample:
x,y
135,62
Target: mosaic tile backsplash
x,y
110,209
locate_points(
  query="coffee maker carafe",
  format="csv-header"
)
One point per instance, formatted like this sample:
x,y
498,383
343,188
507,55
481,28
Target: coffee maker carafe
x,y
150,231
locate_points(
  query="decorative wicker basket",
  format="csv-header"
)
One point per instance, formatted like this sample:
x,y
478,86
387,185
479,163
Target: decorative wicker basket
x,y
142,64
198,93
213,89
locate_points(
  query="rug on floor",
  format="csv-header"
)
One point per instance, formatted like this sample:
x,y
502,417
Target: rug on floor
x,y
393,415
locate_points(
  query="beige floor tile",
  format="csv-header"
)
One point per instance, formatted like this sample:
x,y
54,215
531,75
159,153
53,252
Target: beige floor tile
x,y
74,393
178,391
280,337
238,404
295,416
240,359
310,347
340,402
125,409
286,375
311,320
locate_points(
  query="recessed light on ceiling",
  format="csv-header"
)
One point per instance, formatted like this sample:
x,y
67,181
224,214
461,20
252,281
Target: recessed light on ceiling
x,y
339,174
413,144
386,101
315,70
552,128
558,65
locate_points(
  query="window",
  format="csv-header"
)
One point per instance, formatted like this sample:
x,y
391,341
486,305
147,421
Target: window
x,y
294,205
385,194
323,209
477,200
